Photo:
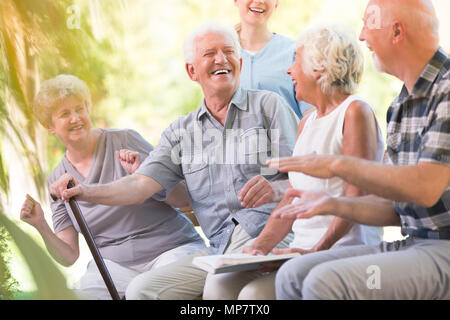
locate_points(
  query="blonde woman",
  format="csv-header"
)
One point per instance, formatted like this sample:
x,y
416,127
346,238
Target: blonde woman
x,y
132,239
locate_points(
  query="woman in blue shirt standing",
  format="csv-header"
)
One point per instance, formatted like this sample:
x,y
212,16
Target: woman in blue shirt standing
x,y
266,56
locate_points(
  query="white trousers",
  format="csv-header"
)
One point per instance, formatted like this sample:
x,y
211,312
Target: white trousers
x,y
246,285
180,280
92,286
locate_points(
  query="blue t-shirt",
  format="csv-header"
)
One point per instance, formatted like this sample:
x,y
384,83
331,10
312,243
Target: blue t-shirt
x,y
266,70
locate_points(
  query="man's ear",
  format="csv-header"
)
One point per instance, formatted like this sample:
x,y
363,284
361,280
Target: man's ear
x,y
191,71
398,32
240,64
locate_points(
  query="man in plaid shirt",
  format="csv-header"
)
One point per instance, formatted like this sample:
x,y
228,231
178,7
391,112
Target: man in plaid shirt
x,y
410,190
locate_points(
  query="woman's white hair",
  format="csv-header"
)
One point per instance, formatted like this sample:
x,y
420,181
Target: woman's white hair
x,y
189,44
53,91
335,50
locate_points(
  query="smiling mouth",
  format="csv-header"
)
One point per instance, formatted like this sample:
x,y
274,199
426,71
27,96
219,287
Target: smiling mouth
x,y
257,10
76,128
221,71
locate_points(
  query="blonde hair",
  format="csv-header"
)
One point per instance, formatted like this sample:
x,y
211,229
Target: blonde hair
x,y
335,50
53,91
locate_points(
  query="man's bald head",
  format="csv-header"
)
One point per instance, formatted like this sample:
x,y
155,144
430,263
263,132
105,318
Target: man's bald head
x,y
418,17
403,36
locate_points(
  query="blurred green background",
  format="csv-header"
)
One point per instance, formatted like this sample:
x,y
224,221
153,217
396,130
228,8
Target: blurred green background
x,y
129,53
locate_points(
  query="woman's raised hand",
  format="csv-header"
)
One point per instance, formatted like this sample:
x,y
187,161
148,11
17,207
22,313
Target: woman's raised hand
x,y
31,212
129,160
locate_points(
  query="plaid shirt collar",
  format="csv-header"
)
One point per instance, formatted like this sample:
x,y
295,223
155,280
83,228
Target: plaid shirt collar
x,y
428,76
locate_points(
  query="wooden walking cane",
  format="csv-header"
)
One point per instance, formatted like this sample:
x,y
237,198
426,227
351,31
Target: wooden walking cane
x,y
92,246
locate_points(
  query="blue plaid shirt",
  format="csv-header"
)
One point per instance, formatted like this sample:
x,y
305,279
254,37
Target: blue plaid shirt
x,y
418,130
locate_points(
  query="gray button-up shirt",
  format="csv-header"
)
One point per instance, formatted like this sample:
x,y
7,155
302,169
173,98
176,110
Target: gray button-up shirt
x,y
217,161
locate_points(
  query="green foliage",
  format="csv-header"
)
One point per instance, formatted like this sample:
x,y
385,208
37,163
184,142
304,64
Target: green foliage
x,y
8,285
50,283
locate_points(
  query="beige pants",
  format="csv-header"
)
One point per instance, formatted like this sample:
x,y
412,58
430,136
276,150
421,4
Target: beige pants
x,y
92,286
247,285
181,279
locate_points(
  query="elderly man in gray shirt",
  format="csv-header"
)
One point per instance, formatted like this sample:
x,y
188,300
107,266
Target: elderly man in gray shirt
x,y
220,149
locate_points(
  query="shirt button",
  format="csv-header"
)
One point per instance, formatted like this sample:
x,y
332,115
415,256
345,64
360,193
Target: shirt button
x,y
233,211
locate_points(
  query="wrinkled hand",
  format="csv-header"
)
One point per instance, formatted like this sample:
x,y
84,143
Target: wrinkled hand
x,y
315,165
129,160
257,191
310,204
253,251
31,212
293,250
273,266
58,189
265,267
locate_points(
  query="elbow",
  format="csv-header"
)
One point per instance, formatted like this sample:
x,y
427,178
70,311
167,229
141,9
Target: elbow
x,y
428,199
184,203
140,190
67,264
70,261
428,202
138,200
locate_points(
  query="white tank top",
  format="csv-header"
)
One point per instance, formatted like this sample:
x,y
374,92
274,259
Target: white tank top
x,y
324,136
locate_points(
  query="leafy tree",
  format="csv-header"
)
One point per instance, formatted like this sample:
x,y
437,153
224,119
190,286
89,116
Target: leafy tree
x,y
49,281
36,43
8,285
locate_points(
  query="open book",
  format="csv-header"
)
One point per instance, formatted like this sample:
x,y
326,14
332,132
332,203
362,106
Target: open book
x,y
236,262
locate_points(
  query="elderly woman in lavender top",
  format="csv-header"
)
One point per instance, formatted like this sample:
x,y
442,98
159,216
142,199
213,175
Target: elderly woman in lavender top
x,y
133,239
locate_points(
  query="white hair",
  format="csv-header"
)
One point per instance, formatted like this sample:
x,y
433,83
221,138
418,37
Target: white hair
x,y
53,91
189,44
335,50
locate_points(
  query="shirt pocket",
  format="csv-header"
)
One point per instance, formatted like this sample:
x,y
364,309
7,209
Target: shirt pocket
x,y
394,142
197,178
255,148
402,146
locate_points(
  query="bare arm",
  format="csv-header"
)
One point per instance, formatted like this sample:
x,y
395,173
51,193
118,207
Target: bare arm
x,y
359,140
63,246
422,184
133,189
370,210
179,197
274,231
